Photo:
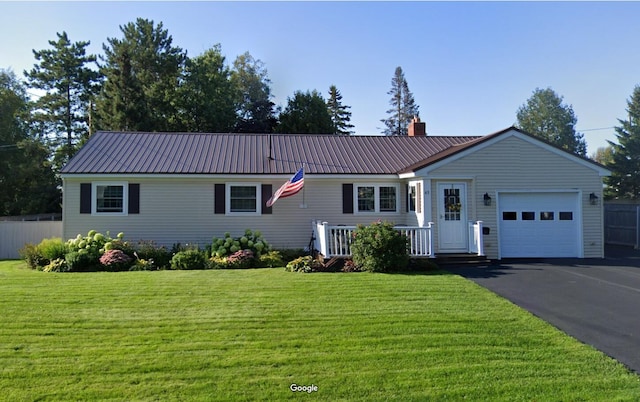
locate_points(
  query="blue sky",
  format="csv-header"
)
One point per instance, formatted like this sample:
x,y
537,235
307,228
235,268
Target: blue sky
x,y
470,65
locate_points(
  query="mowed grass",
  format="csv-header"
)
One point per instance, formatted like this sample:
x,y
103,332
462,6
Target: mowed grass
x,y
248,335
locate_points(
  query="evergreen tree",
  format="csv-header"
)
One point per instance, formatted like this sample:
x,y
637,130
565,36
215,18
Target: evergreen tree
x,y
545,116
305,113
403,107
27,180
255,108
143,72
62,113
340,114
207,97
624,181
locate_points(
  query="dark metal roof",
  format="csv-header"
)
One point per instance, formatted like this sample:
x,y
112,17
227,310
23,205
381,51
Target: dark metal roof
x,y
198,153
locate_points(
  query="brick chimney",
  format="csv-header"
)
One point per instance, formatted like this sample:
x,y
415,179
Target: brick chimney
x,y
417,128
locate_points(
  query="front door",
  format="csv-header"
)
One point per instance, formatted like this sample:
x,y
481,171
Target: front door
x,y
452,217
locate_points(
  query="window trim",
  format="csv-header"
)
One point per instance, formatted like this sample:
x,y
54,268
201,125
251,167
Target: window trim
x,y
376,198
258,189
125,198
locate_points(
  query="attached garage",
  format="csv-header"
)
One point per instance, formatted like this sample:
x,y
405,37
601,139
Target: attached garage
x,y
539,224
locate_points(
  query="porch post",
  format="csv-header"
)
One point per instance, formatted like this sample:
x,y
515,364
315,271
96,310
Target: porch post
x,y
479,236
432,253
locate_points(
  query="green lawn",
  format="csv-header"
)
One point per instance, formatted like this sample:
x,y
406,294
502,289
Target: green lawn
x,y
250,334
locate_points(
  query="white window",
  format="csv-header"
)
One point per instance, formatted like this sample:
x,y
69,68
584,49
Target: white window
x,y
243,198
109,198
376,198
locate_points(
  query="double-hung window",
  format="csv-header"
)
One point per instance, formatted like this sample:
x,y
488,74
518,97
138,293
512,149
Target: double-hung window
x,y
109,198
376,198
243,198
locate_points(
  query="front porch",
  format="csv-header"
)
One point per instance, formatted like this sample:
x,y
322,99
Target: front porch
x,y
335,240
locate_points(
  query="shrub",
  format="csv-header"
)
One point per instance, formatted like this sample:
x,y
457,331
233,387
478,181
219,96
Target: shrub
x,y
300,264
188,259
272,259
140,264
291,254
81,261
148,250
56,265
90,248
52,249
252,240
115,260
241,259
216,262
379,248
350,266
31,255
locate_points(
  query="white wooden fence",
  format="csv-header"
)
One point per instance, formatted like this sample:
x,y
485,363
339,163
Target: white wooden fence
x,y
14,235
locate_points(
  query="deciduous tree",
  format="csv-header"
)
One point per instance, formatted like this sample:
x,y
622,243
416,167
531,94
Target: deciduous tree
x,y
27,180
403,106
207,97
255,108
546,116
305,113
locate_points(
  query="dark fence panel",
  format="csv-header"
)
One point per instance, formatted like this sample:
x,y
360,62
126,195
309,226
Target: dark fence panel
x,y
621,224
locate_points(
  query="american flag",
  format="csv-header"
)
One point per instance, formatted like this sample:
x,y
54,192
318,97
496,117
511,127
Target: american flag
x,y
291,187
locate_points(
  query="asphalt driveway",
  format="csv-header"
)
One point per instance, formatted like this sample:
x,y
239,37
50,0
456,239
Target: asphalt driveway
x,y
595,301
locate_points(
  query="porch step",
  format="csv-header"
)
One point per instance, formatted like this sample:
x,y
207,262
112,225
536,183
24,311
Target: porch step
x,y
460,258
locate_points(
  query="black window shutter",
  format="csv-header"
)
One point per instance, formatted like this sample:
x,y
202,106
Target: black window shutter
x,y
85,198
347,198
219,206
266,194
134,198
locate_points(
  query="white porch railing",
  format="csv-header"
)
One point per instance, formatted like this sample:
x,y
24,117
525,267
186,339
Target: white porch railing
x,y
335,241
476,243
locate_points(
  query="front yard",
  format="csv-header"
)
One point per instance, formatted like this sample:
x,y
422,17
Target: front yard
x,y
253,334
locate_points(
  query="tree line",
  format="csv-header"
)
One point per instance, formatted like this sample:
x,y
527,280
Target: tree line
x,y
143,82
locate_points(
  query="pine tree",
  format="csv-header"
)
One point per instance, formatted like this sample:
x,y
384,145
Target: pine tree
x,y
545,116
624,181
340,114
403,107
143,72
62,113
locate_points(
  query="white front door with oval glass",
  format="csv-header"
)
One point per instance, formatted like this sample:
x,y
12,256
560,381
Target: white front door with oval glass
x,y
452,217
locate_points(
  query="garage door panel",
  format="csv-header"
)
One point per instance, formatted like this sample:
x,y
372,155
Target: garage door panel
x,y
539,224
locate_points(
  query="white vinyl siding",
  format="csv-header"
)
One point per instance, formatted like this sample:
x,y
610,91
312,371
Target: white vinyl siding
x,y
513,163
181,210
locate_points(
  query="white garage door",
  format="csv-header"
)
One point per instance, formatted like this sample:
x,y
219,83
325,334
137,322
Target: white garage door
x,y
539,224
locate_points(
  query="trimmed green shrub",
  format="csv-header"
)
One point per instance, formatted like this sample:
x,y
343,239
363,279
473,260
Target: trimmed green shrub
x,y
379,248
189,259
82,261
53,248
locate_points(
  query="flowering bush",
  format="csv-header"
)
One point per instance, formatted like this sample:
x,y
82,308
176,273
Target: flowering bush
x,y
115,260
379,248
240,259
252,240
